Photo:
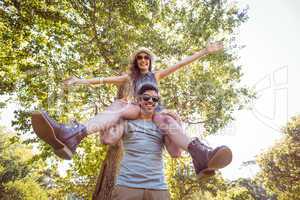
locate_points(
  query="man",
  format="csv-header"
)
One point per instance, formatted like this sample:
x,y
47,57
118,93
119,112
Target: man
x,y
141,175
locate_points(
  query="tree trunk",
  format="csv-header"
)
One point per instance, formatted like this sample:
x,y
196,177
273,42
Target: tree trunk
x,y
107,176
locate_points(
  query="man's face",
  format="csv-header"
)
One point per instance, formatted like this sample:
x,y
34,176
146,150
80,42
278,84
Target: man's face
x,y
148,101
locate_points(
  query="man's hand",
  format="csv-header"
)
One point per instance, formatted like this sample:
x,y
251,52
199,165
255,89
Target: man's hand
x,y
112,135
214,47
171,114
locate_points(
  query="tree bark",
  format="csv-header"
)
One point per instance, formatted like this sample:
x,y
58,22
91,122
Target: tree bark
x,y
107,176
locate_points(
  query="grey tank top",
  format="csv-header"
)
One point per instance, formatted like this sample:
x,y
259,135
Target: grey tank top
x,y
142,163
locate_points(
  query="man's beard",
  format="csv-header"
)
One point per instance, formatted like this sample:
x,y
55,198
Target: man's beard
x,y
148,112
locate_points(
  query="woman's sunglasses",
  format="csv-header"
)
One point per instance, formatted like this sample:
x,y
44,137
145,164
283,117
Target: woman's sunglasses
x,y
147,97
140,57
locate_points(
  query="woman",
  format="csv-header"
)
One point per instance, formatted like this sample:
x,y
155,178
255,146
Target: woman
x,y
64,139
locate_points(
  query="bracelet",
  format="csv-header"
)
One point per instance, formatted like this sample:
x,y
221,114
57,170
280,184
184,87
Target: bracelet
x,y
206,51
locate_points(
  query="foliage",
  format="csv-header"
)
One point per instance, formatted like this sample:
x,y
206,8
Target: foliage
x,y
254,187
236,193
25,190
43,42
183,183
18,180
81,177
280,165
89,38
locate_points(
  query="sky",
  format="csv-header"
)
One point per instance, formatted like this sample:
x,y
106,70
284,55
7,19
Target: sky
x,y
270,63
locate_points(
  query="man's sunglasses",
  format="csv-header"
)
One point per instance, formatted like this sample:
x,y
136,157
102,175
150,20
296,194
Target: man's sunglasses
x,y
140,57
147,97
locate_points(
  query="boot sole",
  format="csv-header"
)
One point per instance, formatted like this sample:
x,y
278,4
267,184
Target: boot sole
x,y
220,159
205,174
44,130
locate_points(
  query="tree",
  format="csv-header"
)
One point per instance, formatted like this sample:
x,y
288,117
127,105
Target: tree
x,y
44,42
280,165
17,179
183,183
235,193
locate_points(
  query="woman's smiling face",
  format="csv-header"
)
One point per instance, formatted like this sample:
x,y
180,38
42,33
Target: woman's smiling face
x,y
143,61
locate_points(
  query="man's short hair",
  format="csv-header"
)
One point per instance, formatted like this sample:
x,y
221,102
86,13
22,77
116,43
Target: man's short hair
x,y
146,86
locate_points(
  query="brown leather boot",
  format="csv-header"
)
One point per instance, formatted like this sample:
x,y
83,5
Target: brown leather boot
x,y
206,160
64,139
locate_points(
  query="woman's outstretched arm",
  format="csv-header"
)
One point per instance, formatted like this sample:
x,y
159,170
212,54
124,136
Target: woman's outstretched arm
x,y
211,48
116,80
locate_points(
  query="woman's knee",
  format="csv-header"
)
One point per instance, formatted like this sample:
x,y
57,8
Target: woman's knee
x,y
116,108
116,105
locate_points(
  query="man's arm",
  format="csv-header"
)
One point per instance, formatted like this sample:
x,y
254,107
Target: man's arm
x,y
114,134
173,149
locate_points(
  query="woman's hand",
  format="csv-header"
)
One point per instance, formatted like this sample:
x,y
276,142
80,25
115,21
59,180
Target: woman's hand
x,y
71,81
214,47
